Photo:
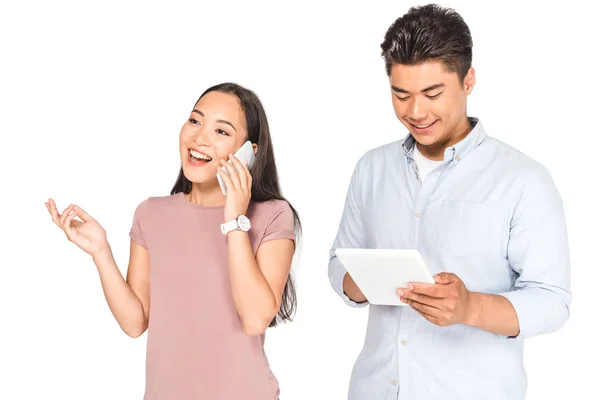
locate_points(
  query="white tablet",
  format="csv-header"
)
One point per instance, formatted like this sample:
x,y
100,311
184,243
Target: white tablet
x,y
380,272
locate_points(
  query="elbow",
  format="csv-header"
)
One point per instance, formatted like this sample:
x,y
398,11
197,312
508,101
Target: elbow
x,y
549,313
135,334
254,330
135,331
561,315
559,309
257,325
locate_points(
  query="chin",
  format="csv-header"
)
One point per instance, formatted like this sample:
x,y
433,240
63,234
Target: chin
x,y
196,177
426,140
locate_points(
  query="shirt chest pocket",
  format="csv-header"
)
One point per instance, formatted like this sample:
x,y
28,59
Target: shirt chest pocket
x,y
465,229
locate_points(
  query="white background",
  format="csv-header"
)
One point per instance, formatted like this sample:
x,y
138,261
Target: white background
x,y
92,98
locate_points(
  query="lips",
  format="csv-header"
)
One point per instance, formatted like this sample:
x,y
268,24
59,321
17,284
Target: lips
x,y
197,154
423,128
197,158
195,162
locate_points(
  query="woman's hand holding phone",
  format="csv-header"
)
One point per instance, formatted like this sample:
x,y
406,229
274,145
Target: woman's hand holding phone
x,y
88,235
238,182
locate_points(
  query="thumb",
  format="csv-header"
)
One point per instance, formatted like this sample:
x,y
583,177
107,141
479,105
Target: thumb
x,y
444,278
85,217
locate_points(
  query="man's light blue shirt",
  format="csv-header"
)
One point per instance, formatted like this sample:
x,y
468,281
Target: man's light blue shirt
x,y
489,214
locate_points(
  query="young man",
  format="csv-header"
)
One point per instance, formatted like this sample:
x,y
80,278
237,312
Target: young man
x,y
487,220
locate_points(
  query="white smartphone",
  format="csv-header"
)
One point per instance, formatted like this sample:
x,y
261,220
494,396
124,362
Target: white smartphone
x,y
244,153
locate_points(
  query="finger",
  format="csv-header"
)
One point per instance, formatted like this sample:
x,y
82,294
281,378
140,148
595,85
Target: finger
x,y
427,289
241,171
82,214
423,299
69,230
226,180
429,318
249,178
237,177
424,309
64,215
237,163
54,212
248,175
444,278
233,175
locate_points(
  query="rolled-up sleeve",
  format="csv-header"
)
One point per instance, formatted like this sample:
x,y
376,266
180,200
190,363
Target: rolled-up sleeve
x,y
350,234
538,252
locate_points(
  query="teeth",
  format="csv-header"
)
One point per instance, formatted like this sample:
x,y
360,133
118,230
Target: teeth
x,y
423,126
201,156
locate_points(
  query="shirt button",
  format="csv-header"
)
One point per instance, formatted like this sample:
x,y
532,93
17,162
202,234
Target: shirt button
x,y
457,158
403,342
417,214
394,382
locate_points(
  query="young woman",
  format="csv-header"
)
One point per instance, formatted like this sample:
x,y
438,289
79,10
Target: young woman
x,y
205,295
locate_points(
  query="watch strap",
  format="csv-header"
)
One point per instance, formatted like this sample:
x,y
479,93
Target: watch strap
x,y
229,226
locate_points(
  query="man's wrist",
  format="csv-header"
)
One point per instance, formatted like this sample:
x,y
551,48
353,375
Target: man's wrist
x,y
475,308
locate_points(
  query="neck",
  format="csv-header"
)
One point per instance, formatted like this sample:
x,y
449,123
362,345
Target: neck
x,y
435,151
206,195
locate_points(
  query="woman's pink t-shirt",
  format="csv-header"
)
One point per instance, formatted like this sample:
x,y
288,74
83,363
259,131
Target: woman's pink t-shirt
x,y
196,346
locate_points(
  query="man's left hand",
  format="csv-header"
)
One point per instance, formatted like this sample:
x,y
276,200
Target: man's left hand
x,y
445,303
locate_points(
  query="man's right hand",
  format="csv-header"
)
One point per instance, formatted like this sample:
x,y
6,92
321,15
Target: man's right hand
x,y
87,235
351,289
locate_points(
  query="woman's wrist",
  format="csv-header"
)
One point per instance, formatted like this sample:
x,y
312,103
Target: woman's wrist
x,y
236,232
231,216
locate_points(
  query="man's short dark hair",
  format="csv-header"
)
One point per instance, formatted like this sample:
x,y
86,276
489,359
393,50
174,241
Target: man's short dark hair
x,y
429,33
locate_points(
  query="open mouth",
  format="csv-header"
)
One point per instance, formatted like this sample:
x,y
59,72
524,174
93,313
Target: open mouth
x,y
197,158
423,127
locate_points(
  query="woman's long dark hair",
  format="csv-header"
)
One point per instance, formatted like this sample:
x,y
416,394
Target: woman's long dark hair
x,y
265,180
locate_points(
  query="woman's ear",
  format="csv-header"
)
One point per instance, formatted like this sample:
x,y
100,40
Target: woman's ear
x,y
255,147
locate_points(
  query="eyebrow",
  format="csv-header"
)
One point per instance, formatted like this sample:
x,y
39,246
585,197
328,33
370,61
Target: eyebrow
x,y
222,121
427,89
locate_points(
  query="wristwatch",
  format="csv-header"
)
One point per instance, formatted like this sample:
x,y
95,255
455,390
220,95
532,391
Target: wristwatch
x,y
242,223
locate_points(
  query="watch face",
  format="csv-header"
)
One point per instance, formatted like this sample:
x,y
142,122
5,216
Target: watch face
x,y
244,223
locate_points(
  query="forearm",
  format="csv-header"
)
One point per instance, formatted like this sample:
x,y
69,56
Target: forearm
x,y
352,291
492,313
253,298
124,304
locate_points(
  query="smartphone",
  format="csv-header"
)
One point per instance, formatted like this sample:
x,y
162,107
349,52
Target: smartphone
x,y
244,153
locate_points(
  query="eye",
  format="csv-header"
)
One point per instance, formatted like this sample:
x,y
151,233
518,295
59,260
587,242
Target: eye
x,y
222,132
435,96
193,121
402,98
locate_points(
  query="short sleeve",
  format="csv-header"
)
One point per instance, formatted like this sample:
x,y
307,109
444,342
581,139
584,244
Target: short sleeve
x,y
280,224
137,232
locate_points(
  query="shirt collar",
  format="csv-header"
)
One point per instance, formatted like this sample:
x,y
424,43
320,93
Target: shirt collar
x,y
457,151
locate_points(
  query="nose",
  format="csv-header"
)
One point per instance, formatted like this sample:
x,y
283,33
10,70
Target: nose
x,y
416,109
199,137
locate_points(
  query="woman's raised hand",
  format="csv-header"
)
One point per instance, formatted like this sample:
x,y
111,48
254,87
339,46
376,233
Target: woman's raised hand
x,y
87,235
